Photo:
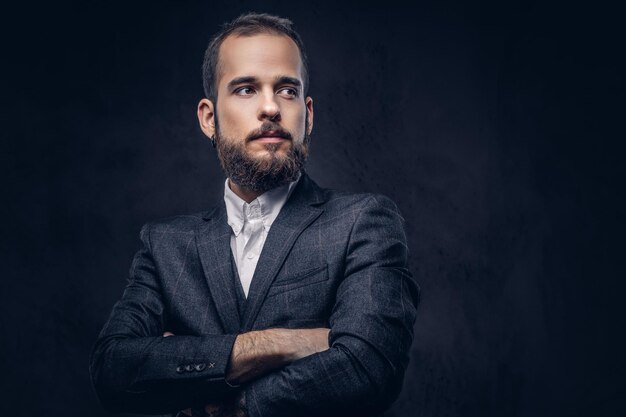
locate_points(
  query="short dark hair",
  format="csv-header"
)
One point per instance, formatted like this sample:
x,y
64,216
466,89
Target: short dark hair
x,y
248,24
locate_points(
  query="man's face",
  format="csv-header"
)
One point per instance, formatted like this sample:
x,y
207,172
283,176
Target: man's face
x,y
260,115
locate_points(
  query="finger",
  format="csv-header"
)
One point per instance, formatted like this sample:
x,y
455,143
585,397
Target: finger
x,y
167,334
211,408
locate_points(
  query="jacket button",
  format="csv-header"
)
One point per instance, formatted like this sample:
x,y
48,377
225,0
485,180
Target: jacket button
x,y
200,367
180,369
189,367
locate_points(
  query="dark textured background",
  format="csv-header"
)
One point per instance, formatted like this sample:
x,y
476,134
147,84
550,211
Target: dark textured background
x,y
496,127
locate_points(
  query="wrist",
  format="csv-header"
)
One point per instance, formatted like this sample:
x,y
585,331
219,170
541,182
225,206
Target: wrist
x,y
285,346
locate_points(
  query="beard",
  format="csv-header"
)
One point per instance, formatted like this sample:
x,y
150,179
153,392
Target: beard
x,y
261,174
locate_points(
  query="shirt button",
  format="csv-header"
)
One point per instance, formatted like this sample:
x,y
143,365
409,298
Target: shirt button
x,y
250,255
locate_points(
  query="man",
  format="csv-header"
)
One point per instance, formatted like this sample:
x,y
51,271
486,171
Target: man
x,y
284,300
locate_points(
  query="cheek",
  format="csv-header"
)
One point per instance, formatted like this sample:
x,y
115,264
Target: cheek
x,y
233,120
298,120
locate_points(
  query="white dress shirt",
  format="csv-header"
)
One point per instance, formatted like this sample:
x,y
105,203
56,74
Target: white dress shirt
x,y
250,224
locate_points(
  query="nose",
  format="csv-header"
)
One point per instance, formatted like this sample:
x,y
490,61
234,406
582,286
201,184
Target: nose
x,y
269,108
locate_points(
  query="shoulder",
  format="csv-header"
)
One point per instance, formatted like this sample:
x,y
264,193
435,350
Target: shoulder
x,y
355,212
356,203
184,224
333,199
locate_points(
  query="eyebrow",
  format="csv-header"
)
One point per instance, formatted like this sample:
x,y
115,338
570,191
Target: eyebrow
x,y
248,79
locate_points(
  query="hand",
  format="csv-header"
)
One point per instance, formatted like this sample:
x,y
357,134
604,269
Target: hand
x,y
216,410
235,409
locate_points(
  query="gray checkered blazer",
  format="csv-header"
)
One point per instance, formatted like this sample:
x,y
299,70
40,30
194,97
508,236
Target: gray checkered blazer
x,y
331,259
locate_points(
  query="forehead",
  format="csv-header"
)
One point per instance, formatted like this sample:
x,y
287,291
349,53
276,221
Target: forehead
x,y
261,55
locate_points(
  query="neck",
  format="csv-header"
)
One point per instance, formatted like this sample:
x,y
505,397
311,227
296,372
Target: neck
x,y
245,194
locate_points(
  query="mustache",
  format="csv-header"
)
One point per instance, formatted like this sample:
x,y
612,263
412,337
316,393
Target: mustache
x,y
266,128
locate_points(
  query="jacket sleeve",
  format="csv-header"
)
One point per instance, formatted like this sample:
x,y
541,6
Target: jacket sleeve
x,y
135,369
371,331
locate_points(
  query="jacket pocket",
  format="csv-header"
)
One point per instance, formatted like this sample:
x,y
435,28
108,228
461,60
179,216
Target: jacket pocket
x,y
303,278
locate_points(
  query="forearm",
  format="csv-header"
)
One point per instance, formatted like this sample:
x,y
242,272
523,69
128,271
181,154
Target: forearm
x,y
258,352
350,378
372,330
135,369
134,373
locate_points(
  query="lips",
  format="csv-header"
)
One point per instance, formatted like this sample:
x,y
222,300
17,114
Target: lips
x,y
271,136
270,139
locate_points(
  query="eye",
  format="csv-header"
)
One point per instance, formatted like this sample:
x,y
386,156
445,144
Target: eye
x,y
288,92
244,91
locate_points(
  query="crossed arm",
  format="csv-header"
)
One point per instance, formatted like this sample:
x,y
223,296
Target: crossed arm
x,y
135,369
283,372
259,352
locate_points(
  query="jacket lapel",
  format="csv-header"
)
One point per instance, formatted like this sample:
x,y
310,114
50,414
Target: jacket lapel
x,y
213,243
297,213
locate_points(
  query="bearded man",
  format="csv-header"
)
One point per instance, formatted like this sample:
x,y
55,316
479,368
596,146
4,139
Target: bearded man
x,y
285,299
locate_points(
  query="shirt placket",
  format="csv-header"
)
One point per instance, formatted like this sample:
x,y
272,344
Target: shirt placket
x,y
253,233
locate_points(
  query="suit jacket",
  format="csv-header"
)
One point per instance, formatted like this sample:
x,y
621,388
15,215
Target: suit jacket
x,y
331,259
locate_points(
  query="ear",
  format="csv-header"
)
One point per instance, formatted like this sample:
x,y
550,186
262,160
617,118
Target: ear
x,y
308,102
206,117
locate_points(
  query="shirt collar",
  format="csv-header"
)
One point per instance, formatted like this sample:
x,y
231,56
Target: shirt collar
x,y
267,206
